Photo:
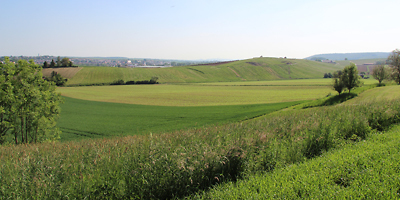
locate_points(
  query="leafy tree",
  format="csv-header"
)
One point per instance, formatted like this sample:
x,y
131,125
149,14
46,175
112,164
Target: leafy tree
x,y
338,84
29,105
52,63
153,80
45,64
380,73
350,77
58,61
57,79
394,61
65,62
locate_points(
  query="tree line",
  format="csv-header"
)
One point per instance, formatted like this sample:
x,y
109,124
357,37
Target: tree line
x,y
64,62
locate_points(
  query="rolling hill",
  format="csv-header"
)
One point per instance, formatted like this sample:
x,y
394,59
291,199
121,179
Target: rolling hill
x,y
255,69
349,56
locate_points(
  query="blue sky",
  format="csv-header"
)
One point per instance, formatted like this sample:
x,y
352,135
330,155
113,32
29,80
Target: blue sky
x,y
201,29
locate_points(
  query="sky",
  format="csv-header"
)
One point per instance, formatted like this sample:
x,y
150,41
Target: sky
x,y
197,29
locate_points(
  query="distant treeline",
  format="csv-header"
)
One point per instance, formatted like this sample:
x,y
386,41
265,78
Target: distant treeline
x,y
153,80
65,62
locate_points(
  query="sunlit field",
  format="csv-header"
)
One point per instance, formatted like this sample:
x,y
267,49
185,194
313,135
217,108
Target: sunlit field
x,y
294,82
197,95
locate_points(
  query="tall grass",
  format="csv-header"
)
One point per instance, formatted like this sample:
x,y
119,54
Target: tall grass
x,y
364,170
177,164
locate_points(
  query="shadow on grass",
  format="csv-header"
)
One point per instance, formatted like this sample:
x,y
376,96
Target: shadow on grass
x,y
333,100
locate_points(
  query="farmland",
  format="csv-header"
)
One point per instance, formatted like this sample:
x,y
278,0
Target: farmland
x,y
181,163
104,111
255,69
81,119
196,95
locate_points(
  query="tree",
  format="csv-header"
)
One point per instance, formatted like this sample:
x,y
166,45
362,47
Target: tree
x,y
52,63
394,61
58,61
338,84
29,105
65,62
380,73
350,77
45,64
57,79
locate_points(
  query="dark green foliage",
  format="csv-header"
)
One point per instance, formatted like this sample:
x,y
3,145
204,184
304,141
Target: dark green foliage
x,y
57,79
45,64
328,75
118,82
350,77
52,64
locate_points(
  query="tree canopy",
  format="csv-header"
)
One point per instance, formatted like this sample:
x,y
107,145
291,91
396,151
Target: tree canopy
x,y
347,78
380,73
394,61
29,105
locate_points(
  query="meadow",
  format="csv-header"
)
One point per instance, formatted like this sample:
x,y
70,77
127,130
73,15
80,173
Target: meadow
x,y
104,111
82,119
184,163
196,95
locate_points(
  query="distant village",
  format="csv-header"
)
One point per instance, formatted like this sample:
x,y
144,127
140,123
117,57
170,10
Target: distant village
x,y
109,61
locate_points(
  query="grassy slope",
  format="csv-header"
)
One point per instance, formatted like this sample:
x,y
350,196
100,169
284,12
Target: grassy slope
x,y
366,170
82,119
250,70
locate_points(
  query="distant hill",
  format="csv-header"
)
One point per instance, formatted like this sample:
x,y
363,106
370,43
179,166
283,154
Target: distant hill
x,y
349,56
255,69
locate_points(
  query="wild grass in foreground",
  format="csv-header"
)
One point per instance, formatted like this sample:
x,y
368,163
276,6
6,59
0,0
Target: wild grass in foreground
x,y
366,170
178,164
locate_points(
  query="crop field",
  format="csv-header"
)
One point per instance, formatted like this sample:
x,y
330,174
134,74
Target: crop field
x,y
196,95
66,72
89,119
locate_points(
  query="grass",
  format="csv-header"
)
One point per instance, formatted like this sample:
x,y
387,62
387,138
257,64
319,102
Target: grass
x,y
364,170
196,95
295,82
250,70
82,119
181,163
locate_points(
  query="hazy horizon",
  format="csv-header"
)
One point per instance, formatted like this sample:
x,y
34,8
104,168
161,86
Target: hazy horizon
x,y
197,30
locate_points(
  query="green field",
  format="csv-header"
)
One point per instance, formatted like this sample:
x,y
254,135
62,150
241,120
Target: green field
x,y
81,119
196,95
244,70
296,82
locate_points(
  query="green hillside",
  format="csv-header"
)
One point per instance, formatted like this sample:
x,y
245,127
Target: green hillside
x,y
244,70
